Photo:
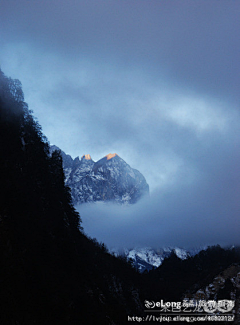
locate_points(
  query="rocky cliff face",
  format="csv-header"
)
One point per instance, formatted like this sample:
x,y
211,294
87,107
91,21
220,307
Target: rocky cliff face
x,y
108,179
224,287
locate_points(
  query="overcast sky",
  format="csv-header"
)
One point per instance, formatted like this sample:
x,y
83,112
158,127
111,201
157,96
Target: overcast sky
x,y
155,81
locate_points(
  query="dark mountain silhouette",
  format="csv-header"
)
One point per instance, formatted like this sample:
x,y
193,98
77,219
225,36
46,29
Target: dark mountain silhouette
x,y
51,273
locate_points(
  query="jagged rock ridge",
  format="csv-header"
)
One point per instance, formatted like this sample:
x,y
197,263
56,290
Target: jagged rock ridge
x,y
108,179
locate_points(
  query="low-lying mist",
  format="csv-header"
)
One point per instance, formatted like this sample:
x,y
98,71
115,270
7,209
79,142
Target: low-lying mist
x,y
186,217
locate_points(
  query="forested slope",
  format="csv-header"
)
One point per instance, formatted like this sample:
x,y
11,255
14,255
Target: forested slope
x,y
50,273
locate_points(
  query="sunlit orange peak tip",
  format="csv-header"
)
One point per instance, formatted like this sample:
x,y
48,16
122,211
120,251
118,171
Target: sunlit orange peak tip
x,y
87,157
111,155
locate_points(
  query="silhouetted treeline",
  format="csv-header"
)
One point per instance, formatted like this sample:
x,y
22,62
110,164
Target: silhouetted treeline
x,y
50,272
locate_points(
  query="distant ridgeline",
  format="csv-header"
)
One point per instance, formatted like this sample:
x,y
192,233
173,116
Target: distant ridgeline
x,y
108,179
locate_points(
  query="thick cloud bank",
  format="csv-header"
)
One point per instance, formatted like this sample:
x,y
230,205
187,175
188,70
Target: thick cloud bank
x,y
186,217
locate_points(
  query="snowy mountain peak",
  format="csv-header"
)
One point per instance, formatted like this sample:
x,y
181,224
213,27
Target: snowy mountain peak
x,y
111,155
108,179
87,157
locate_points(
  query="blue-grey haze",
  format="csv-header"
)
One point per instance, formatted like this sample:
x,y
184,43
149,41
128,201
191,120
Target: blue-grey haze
x,y
155,81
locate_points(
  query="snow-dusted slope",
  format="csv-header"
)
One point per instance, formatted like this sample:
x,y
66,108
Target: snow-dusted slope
x,y
147,258
108,179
